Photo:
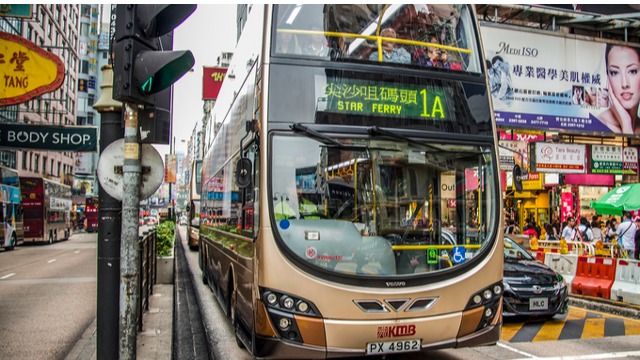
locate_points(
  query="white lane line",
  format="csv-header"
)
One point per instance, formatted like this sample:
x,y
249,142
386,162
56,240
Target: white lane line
x,y
625,354
504,345
7,276
77,252
51,261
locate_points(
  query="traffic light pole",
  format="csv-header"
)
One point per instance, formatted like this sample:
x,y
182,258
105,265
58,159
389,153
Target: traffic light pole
x,y
129,268
109,213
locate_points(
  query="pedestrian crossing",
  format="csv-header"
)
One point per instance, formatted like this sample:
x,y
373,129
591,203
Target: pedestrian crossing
x,y
578,324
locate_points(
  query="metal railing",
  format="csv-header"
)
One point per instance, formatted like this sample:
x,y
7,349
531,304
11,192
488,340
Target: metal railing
x,y
147,273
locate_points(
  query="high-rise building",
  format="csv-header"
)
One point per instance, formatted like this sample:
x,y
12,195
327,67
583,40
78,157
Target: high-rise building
x,y
85,182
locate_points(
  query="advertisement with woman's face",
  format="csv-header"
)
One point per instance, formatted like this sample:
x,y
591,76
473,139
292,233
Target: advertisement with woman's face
x,y
563,84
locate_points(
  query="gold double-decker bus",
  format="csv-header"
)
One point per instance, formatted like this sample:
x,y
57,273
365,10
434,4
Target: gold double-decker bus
x,y
350,199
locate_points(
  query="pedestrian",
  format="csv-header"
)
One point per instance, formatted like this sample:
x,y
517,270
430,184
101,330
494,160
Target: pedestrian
x,y
596,229
552,234
627,234
511,227
610,230
569,232
637,239
584,230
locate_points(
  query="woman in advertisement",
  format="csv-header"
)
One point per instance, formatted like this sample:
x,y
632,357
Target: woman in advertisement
x,y
623,66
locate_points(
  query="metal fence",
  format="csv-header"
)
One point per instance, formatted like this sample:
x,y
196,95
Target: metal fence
x,y
147,273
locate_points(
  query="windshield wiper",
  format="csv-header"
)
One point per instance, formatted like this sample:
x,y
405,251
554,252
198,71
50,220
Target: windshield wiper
x,y
299,128
376,131
328,141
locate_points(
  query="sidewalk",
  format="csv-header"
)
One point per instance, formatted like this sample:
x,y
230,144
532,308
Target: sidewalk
x,y
154,342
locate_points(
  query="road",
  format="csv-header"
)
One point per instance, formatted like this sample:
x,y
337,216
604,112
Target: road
x,y
47,297
578,335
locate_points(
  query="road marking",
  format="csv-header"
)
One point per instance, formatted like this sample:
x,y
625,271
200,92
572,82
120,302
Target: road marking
x,y
7,276
520,352
77,252
577,324
590,356
51,261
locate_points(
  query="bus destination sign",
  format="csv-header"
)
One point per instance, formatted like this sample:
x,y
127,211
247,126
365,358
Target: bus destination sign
x,y
386,99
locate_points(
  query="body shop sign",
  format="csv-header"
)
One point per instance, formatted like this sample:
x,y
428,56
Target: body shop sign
x,y
56,138
559,158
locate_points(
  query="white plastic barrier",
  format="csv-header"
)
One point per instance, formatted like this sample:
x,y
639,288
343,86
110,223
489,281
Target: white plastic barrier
x,y
626,286
565,265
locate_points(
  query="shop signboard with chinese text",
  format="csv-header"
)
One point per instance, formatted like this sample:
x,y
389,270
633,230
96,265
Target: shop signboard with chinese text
x,y
558,158
551,82
609,159
26,70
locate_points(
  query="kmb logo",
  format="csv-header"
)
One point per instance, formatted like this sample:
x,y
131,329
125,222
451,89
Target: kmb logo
x,y
396,331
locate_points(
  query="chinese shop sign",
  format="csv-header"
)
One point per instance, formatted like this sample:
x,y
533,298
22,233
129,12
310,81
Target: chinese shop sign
x,y
26,70
559,158
608,159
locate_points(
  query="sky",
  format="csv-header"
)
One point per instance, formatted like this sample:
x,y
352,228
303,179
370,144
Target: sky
x,y
210,30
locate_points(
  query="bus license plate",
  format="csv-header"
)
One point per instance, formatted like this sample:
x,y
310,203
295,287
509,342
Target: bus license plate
x,y
538,304
389,347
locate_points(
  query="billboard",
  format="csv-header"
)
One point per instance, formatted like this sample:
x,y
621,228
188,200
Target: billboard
x,y
212,78
559,158
541,81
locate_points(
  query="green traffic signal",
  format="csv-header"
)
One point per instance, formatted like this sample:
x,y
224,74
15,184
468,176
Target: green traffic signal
x,y
156,71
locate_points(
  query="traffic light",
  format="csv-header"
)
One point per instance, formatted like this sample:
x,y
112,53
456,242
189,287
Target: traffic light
x,y
141,66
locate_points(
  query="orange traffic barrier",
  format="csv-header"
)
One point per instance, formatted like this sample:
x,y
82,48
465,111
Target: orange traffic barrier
x,y
594,277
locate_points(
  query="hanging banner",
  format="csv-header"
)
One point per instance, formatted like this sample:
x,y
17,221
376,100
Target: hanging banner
x,y
552,82
170,168
212,78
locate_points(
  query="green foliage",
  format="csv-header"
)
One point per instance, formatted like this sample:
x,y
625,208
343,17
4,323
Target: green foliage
x,y
164,238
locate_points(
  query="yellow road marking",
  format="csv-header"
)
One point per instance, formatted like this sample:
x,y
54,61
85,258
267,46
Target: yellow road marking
x,y
550,331
510,330
593,328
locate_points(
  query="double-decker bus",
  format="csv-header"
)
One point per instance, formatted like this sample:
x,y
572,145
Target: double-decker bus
x,y
193,223
11,209
350,191
47,210
91,214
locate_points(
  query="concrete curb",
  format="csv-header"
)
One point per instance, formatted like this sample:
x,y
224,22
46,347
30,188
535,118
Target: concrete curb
x,y
604,305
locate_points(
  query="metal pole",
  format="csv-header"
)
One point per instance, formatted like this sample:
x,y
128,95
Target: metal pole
x,y
171,149
129,268
110,215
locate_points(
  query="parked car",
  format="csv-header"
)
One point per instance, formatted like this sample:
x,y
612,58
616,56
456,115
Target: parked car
x,y
531,288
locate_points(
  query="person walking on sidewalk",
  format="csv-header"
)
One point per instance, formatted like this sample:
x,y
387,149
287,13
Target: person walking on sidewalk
x,y
637,239
569,231
627,234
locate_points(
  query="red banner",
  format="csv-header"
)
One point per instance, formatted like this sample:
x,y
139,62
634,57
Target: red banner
x,y
212,78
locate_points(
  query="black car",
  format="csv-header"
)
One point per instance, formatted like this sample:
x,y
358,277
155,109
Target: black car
x,y
531,288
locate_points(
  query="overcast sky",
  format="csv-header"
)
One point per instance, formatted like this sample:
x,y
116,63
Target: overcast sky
x,y
210,30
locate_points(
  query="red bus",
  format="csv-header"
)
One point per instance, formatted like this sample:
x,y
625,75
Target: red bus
x,y
91,214
47,210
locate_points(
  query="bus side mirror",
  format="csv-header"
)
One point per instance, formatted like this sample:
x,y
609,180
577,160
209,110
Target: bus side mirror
x,y
243,173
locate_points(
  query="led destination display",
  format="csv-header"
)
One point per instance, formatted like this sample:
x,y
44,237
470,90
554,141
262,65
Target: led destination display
x,y
385,99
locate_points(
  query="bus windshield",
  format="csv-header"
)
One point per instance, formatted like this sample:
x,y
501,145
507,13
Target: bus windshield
x,y
438,36
351,204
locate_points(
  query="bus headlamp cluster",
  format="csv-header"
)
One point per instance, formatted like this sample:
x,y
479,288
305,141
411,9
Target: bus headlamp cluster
x,y
283,308
490,298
